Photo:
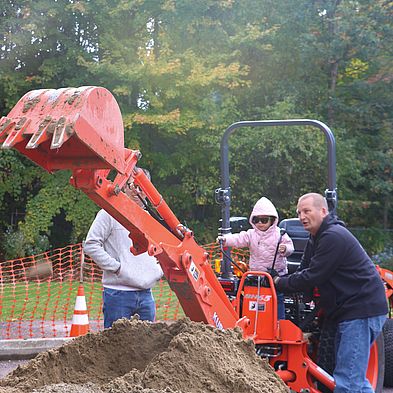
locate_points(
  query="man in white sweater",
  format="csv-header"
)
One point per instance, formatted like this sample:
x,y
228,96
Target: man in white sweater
x,y
127,279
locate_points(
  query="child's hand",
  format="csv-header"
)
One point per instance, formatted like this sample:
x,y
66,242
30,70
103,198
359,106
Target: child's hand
x,y
282,248
220,239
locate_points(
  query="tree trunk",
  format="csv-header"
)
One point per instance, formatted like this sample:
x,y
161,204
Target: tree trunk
x,y
386,207
332,90
333,60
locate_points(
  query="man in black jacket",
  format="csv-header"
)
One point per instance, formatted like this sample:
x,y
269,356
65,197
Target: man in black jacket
x,y
351,291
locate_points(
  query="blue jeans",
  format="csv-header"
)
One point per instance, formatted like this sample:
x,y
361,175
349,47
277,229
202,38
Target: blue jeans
x,y
124,304
280,306
353,342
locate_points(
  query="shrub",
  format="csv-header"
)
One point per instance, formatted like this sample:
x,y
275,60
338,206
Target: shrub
x,y
384,258
15,244
374,240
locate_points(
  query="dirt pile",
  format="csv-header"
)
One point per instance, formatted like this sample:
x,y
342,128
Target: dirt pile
x,y
135,356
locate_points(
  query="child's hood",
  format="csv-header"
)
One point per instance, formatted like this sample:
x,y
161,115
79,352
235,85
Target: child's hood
x,y
264,207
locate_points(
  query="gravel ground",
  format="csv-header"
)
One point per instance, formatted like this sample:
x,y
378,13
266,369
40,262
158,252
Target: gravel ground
x,y
141,357
7,366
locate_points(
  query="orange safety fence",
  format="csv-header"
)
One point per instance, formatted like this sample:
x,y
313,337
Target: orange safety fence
x,y
33,307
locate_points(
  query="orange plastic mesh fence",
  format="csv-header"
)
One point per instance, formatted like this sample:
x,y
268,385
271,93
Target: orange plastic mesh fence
x,y
33,307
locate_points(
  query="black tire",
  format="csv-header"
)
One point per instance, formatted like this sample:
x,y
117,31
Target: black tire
x,y
326,353
326,358
388,337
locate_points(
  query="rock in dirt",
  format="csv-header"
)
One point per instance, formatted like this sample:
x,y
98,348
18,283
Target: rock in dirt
x,y
142,357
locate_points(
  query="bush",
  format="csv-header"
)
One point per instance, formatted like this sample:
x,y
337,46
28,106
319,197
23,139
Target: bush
x,y
384,258
373,240
15,244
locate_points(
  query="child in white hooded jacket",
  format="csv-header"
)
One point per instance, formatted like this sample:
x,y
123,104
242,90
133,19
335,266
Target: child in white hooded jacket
x,y
262,241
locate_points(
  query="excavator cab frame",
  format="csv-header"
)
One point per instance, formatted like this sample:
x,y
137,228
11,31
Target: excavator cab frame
x,y
223,194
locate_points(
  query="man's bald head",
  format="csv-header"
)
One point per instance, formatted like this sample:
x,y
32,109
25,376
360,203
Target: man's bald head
x,y
318,200
312,208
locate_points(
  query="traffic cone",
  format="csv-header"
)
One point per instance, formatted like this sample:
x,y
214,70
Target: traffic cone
x,y
80,319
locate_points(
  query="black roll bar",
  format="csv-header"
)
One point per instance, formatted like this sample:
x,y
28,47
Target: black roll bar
x,y
223,194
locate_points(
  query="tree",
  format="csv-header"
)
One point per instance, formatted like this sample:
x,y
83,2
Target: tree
x,y
43,43
183,71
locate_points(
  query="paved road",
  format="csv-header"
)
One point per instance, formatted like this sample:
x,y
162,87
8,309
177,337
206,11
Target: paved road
x,y
7,366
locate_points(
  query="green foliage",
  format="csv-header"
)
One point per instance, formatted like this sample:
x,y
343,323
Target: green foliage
x,y
269,161
15,244
182,72
374,240
54,195
385,258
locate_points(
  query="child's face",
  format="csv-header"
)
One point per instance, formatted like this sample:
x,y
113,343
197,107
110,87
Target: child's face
x,y
262,223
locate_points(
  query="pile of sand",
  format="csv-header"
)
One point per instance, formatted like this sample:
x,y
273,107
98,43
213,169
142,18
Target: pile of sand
x,y
135,356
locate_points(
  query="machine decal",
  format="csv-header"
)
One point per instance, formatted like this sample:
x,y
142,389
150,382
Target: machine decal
x,y
194,271
263,298
217,321
253,306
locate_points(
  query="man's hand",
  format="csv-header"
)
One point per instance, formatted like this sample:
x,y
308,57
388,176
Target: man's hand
x,y
272,272
274,275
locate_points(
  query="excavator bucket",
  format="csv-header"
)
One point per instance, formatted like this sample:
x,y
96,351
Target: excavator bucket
x,y
67,128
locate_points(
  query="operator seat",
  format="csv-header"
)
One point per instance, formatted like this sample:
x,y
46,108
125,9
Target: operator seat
x,y
299,236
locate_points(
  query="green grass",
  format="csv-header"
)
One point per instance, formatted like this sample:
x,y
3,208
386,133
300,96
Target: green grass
x,y
168,307
47,301
56,300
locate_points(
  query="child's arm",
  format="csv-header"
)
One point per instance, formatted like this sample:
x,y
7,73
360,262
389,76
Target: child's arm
x,y
239,240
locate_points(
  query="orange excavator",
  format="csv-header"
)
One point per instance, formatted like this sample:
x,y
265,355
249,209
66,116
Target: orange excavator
x,y
81,129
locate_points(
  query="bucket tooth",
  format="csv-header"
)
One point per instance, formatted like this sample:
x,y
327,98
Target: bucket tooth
x,y
16,135
13,138
41,135
59,134
31,101
6,125
68,128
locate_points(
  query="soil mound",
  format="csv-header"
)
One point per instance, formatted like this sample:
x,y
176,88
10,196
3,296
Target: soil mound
x,y
135,356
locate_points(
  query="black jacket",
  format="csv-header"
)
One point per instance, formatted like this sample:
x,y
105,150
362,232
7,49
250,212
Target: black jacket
x,y
348,282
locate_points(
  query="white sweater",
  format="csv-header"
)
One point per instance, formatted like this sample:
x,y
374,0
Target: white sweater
x,y
108,244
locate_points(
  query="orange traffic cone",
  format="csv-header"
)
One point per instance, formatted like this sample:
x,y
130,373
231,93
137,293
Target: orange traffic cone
x,y
80,320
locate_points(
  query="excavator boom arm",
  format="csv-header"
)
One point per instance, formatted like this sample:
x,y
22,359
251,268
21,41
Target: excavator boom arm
x,y
81,129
